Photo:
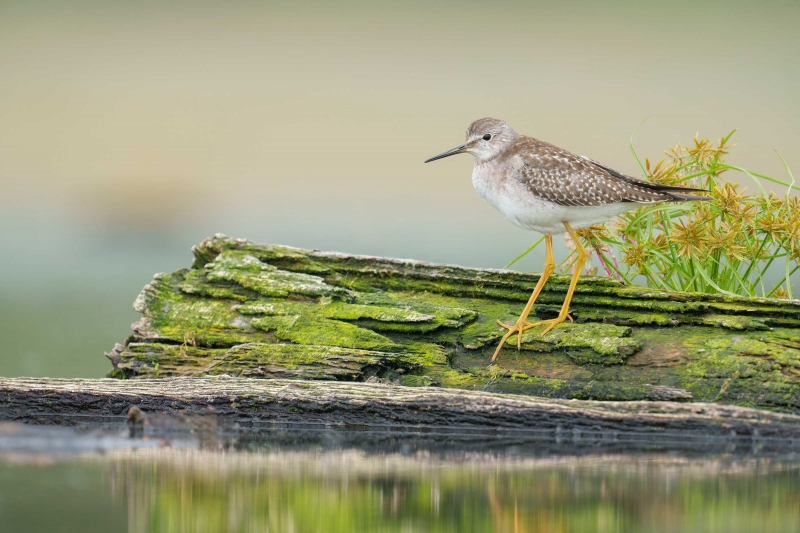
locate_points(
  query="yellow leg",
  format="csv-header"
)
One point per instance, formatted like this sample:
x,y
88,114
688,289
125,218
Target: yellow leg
x,y
521,324
579,262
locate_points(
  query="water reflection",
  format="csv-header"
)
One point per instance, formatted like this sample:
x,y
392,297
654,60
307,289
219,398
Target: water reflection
x,y
347,490
177,474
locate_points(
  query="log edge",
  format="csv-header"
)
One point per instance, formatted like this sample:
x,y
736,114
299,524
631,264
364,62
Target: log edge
x,y
374,405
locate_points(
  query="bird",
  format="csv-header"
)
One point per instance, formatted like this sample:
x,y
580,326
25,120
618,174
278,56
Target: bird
x,y
540,187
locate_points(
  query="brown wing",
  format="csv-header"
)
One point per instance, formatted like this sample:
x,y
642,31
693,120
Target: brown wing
x,y
565,178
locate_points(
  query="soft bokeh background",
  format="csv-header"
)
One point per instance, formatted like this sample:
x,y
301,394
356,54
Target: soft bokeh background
x,y
131,130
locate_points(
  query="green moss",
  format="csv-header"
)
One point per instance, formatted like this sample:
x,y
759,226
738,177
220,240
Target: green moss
x,y
609,344
746,358
627,318
345,311
738,323
412,380
745,371
260,359
717,365
460,380
485,331
293,356
532,386
170,315
790,338
337,311
195,283
310,330
250,273
402,317
663,306
151,359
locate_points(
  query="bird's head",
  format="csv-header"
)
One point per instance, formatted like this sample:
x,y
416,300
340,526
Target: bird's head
x,y
486,138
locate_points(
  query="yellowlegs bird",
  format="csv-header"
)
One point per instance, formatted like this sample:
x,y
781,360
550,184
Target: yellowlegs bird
x,y
540,187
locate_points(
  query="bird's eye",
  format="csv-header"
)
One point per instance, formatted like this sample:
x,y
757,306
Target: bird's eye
x,y
487,137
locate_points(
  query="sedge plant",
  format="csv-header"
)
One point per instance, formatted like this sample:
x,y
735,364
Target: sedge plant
x,y
725,246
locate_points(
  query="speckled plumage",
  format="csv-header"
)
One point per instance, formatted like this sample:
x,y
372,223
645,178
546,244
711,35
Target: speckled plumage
x,y
564,178
539,186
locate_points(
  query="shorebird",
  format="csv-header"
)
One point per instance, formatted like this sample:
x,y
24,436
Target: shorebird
x,y
540,187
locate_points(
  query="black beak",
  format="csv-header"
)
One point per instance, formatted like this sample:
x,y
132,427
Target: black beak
x,y
457,150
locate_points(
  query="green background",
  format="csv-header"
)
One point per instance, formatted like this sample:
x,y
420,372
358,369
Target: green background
x,y
131,130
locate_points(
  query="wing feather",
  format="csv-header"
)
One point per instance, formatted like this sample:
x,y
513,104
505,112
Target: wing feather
x,y
568,179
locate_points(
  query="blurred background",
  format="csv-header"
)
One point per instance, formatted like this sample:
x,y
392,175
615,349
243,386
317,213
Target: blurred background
x,y
131,130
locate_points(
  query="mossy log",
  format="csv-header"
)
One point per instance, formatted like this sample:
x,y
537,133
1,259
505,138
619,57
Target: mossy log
x,y
268,311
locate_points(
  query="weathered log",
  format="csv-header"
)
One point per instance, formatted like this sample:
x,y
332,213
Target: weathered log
x,y
379,406
252,310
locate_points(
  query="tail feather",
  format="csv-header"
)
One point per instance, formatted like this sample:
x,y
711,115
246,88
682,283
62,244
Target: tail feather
x,y
660,187
677,197
657,187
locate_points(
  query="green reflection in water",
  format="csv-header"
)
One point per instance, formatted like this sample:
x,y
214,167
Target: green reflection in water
x,y
39,495
169,490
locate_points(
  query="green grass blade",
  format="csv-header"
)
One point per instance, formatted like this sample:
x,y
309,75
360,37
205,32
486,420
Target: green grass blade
x,y
743,284
633,150
526,252
754,175
703,274
788,171
787,279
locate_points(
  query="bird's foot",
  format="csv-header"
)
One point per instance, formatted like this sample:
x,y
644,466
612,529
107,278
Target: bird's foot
x,y
518,327
521,326
551,323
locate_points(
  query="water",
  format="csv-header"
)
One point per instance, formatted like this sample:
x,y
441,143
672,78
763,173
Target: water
x,y
293,479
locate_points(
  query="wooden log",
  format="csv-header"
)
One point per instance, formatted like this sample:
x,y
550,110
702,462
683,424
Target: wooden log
x,y
379,406
268,311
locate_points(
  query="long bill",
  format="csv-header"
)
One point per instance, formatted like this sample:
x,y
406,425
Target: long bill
x,y
457,150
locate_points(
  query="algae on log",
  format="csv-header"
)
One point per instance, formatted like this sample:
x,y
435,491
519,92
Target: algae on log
x,y
252,310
